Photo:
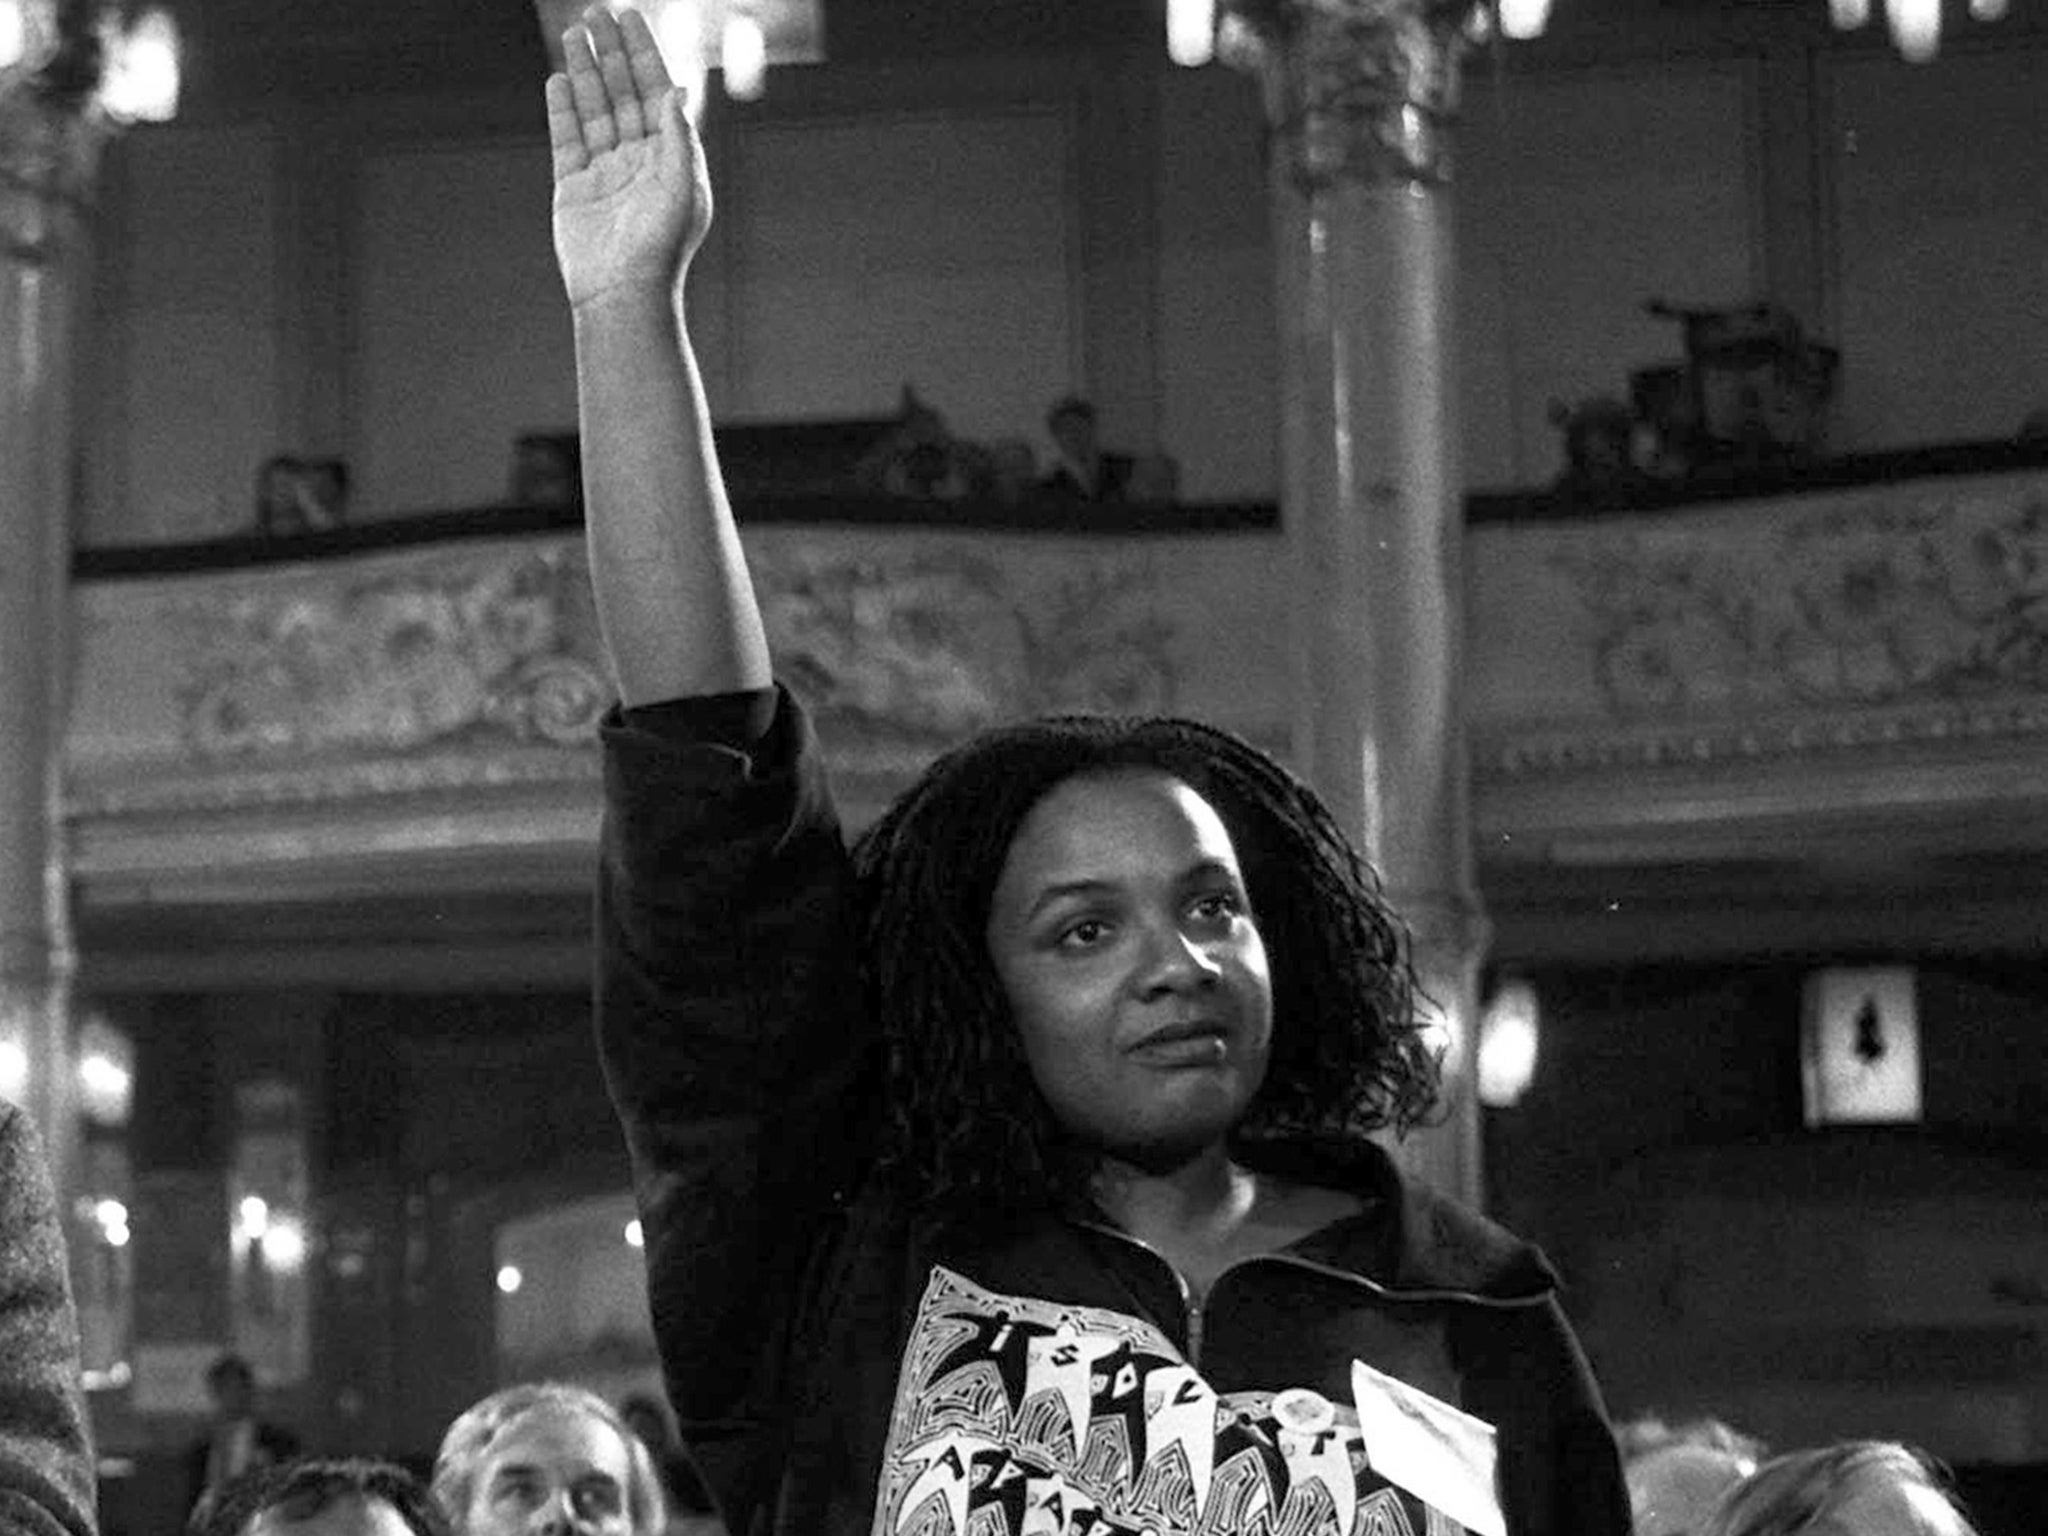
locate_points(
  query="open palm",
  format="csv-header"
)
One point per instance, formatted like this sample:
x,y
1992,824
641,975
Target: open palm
x,y
632,196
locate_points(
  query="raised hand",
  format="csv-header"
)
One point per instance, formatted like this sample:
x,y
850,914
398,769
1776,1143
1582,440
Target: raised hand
x,y
632,195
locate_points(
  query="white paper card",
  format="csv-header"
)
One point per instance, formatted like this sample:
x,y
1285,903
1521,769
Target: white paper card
x,y
1442,1455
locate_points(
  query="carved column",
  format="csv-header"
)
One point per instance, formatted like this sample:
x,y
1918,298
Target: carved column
x,y
1360,96
49,147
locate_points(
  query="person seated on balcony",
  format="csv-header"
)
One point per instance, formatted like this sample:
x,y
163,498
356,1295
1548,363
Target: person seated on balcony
x,y
547,1459
1677,1473
46,1464
1080,469
237,1441
1850,1488
326,1496
1009,1169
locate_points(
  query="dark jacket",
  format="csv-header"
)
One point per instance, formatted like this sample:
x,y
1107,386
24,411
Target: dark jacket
x,y
827,1349
46,1463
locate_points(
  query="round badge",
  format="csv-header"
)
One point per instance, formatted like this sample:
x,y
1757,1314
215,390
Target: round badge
x,y
1304,1411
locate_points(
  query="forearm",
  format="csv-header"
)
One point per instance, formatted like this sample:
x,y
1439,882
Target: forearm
x,y
674,597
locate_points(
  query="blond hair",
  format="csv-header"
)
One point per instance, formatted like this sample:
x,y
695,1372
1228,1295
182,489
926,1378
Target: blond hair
x,y
478,1427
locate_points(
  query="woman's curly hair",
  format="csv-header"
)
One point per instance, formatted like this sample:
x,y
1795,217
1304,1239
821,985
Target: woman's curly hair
x,y
968,1133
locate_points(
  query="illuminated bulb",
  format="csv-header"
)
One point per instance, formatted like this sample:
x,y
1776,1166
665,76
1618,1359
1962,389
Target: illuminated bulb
x,y
106,1088
509,1279
1191,32
115,1236
635,1238
142,70
254,1212
13,33
1524,19
1507,1045
284,1245
1848,15
678,29
1916,28
110,1213
743,55
101,1074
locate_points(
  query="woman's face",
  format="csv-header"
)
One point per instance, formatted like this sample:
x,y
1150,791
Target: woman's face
x,y
1125,943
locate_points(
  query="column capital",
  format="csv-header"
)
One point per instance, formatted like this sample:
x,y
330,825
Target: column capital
x,y
1356,90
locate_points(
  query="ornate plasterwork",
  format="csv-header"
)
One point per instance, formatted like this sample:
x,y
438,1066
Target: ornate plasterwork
x,y
393,660
1873,623
1364,90
460,671
905,654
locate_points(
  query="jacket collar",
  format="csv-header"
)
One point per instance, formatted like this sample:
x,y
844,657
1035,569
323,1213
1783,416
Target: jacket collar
x,y
1408,1238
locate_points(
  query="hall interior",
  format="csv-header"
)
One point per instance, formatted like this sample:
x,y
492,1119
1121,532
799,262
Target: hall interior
x,y
328,801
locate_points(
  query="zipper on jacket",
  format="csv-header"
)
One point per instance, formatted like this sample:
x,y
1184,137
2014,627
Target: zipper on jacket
x,y
1193,1306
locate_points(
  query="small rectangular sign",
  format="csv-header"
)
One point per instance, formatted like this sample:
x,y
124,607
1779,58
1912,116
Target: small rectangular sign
x,y
1860,1047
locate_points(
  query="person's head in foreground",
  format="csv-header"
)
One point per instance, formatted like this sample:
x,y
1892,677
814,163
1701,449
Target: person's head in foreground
x,y
326,1497
547,1459
1854,1488
1676,1474
1130,940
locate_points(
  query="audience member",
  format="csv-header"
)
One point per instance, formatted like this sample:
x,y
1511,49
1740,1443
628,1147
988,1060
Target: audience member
x,y
46,1465
1676,1474
296,495
1852,1488
1080,468
277,496
546,471
237,1441
957,1147
547,1457
325,1497
1013,470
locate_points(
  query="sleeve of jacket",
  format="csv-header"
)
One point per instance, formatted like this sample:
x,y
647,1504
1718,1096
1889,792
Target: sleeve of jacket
x,y
729,1022
46,1462
1560,1474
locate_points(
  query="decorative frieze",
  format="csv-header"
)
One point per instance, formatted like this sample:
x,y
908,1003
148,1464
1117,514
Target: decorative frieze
x,y
1859,620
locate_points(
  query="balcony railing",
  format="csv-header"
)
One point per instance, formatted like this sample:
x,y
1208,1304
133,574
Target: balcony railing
x,y
413,708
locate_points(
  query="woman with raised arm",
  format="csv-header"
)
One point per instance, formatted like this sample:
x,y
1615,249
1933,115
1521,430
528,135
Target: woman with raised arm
x,y
1008,1172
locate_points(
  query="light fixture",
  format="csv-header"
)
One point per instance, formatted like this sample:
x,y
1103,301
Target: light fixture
x,y
1915,27
743,54
738,38
1198,30
1524,19
93,55
1191,32
1508,1032
106,1073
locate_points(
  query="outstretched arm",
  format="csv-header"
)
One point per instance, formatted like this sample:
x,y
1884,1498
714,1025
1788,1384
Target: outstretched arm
x,y
632,203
